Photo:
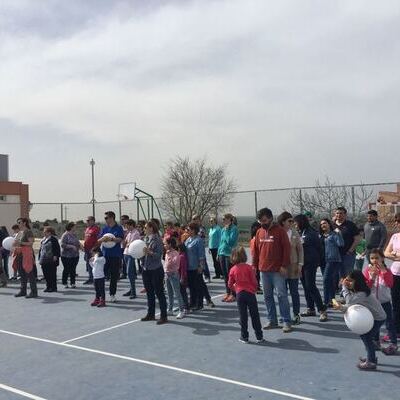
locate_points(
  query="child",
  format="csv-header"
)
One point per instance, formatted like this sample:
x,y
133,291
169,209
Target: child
x,y
380,280
242,280
183,279
171,269
97,263
356,291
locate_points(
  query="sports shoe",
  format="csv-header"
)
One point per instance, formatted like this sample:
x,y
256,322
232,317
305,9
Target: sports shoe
x,y
262,340
210,304
367,365
102,303
244,340
286,328
113,299
386,338
95,302
270,325
296,320
308,313
391,350
323,316
162,321
181,315
128,293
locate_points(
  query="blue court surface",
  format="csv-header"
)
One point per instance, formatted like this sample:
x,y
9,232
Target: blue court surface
x,y
57,347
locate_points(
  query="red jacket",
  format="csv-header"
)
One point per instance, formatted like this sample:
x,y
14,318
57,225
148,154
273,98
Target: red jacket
x,y
271,249
91,237
242,277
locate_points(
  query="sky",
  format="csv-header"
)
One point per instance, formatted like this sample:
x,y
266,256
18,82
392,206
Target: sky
x,y
282,92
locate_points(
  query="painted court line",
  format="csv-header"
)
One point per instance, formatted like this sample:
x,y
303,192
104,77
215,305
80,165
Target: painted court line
x,y
114,327
20,392
163,366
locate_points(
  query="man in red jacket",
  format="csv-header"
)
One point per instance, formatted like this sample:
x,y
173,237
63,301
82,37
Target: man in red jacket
x,y
271,258
91,236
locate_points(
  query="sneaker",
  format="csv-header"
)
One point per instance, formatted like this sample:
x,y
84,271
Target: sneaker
x,y
210,304
323,316
270,325
148,318
162,321
262,340
386,338
230,299
286,328
95,302
367,365
308,313
181,315
391,350
102,303
244,340
113,299
225,297
296,320
128,293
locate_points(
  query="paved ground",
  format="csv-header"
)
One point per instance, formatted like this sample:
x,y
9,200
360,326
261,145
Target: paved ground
x,y
57,347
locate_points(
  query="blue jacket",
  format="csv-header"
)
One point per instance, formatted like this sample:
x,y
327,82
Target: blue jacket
x,y
214,237
229,239
332,244
195,252
312,247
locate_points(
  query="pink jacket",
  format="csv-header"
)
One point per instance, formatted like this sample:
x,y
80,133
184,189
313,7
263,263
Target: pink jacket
x,y
171,264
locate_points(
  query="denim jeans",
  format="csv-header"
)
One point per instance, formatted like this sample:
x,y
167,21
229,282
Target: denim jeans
x,y
368,340
390,326
271,280
331,271
131,271
174,291
347,264
293,286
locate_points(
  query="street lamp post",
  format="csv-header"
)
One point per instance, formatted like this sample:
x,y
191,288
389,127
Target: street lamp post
x,y
93,201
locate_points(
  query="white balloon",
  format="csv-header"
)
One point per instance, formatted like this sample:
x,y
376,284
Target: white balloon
x,y
136,248
359,319
109,245
8,243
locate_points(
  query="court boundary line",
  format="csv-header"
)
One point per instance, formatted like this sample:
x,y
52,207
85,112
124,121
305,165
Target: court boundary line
x,y
20,392
162,366
115,327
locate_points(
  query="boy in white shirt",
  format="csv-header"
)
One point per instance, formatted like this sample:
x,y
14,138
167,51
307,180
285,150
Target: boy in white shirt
x,y
97,263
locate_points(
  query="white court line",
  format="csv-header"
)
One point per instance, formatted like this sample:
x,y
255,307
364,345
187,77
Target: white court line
x,y
115,326
20,392
164,366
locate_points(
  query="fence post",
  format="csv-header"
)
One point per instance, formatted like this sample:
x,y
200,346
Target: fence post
x,y
353,201
120,208
301,201
255,203
62,212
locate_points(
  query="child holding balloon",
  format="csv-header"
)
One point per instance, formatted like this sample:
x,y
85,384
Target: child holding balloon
x,y
380,280
356,291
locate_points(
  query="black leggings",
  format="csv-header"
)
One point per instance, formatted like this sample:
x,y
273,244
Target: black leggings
x,y
217,265
69,270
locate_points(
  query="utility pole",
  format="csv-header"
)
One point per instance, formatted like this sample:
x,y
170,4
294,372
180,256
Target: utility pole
x,y
93,201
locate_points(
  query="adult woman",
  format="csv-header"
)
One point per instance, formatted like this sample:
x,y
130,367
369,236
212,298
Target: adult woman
x,y
392,252
70,246
332,241
214,237
296,263
49,254
23,258
229,238
196,259
132,234
312,259
153,274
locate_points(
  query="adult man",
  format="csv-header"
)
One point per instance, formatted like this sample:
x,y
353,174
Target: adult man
x,y
351,238
202,233
113,255
375,233
272,257
91,235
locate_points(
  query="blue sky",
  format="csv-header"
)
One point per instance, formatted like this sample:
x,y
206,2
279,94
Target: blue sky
x,y
283,92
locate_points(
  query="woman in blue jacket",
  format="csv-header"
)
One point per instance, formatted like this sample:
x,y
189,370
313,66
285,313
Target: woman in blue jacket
x,y
331,240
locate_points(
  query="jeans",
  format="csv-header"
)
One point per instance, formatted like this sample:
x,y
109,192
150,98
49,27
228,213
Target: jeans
x,y
311,292
131,271
100,287
225,262
69,264
217,266
389,323
87,257
153,281
396,302
293,286
113,265
174,291
368,340
206,270
271,280
248,301
184,296
347,264
331,271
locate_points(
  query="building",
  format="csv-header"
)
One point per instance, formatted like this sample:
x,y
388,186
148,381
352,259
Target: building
x,y
14,197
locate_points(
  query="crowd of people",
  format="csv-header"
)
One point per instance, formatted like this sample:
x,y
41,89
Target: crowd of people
x,y
284,252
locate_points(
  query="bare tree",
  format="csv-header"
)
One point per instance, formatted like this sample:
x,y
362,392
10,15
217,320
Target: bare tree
x,y
324,198
194,187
